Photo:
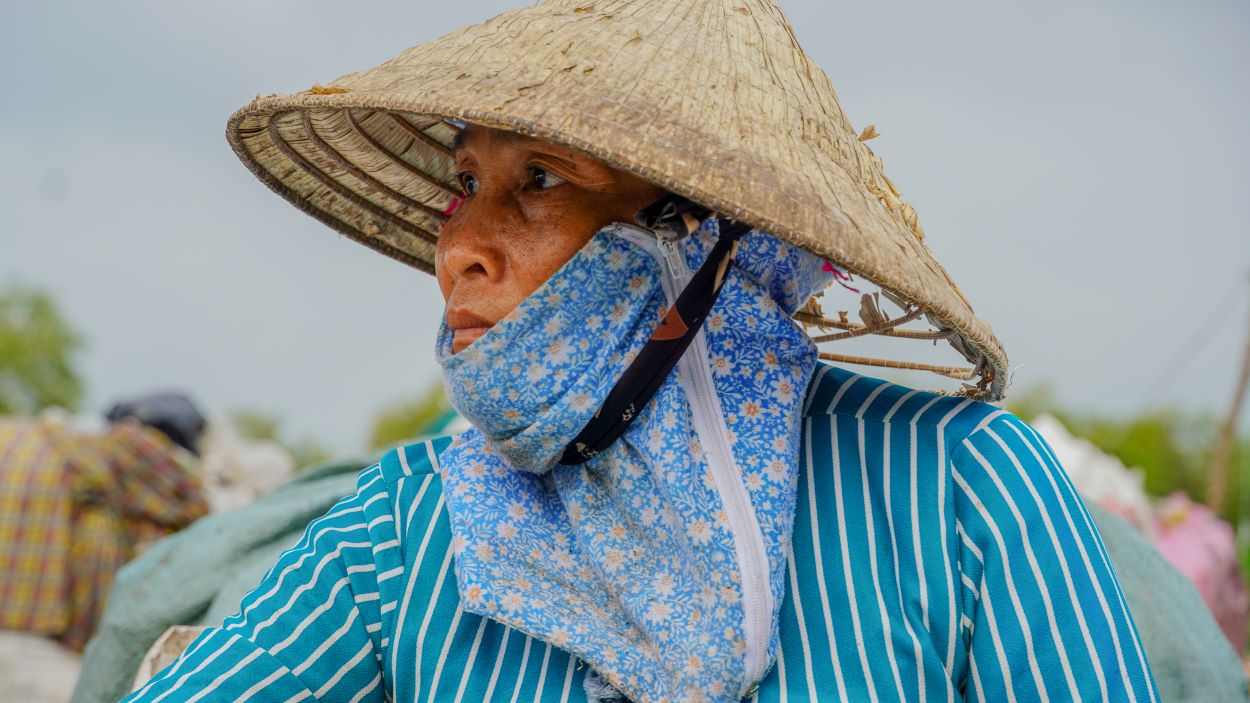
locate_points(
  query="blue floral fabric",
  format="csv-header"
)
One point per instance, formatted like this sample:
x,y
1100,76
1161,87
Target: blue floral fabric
x,y
628,560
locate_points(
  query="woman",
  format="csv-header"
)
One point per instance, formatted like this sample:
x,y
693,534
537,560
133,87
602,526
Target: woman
x,y
664,496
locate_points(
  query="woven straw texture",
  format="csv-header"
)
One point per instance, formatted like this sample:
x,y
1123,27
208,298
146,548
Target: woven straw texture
x,y
712,99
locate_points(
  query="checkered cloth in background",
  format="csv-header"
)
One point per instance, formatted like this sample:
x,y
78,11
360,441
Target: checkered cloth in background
x,y
73,509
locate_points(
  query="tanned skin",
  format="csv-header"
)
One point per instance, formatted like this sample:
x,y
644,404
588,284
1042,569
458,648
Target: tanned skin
x,y
529,206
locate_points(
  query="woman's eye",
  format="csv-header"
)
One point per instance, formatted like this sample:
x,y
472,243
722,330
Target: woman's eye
x,y
468,183
544,179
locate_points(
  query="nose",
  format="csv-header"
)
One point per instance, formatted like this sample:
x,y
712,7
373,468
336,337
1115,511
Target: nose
x,y
467,247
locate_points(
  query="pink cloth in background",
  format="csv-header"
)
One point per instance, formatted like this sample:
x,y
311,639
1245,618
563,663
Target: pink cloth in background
x,y
1202,546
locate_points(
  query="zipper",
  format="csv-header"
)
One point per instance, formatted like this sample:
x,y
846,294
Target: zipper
x,y
695,376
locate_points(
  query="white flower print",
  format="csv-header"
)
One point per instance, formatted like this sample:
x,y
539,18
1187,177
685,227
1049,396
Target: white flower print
x,y
777,470
664,583
474,596
783,390
581,401
512,602
658,611
700,531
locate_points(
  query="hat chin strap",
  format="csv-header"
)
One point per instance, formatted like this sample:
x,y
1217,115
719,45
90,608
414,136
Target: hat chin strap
x,y
678,328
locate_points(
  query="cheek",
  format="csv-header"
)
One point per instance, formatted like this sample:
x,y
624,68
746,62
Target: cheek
x,y
445,282
534,258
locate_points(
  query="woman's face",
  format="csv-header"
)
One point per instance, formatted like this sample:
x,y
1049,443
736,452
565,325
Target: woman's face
x,y
528,207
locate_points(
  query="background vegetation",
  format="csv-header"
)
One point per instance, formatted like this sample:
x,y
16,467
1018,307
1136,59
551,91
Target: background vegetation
x,y
38,351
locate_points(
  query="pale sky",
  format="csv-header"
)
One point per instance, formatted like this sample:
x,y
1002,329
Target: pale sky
x,y
1080,168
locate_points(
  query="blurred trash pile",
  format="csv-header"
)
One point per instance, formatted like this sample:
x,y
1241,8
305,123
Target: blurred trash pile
x,y
81,497
1202,546
74,506
238,470
35,669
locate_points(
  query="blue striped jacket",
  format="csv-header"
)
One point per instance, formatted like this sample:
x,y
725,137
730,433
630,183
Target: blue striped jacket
x,y
939,554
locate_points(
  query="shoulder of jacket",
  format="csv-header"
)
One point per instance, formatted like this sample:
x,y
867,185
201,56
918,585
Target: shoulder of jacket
x,y
837,392
418,458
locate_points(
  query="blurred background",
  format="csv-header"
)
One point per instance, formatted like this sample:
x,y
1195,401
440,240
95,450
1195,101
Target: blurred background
x,y
1080,168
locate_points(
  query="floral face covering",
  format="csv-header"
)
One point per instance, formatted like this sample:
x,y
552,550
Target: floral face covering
x,y
660,561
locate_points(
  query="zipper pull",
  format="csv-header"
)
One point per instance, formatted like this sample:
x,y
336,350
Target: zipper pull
x,y
674,258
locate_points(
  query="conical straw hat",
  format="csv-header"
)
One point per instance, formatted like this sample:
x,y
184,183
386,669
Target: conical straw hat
x,y
711,99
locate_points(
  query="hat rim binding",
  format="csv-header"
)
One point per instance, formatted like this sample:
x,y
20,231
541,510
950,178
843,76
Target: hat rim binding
x,y
415,102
